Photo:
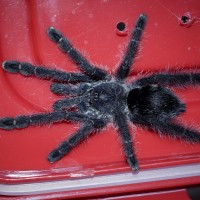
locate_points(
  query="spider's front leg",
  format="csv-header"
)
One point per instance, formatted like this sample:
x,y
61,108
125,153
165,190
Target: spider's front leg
x,y
66,47
27,69
130,54
41,119
65,147
74,90
23,121
89,126
68,103
123,129
80,91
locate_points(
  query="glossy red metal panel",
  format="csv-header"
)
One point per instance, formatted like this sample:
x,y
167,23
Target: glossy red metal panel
x,y
164,195
90,25
176,194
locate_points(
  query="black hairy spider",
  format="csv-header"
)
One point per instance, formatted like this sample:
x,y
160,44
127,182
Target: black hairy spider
x,y
98,98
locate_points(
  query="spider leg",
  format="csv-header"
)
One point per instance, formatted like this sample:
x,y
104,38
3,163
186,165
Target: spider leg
x,y
176,131
66,146
170,79
130,54
90,125
122,125
66,47
27,69
63,89
68,103
40,119
169,128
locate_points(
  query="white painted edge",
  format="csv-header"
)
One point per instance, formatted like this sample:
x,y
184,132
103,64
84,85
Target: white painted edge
x,y
159,174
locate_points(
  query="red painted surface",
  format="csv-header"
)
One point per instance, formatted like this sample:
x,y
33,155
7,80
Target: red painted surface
x,y
90,25
177,194
180,194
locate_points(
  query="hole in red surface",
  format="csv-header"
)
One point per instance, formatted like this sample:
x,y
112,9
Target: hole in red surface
x,y
187,19
121,29
184,19
121,26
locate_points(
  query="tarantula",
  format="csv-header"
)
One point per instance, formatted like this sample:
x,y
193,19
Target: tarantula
x,y
95,98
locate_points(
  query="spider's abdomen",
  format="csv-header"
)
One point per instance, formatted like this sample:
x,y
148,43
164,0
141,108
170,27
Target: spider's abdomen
x,y
107,97
155,101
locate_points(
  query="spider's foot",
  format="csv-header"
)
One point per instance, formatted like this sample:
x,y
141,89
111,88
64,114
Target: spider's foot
x,y
11,66
7,123
54,156
141,21
133,163
58,105
54,35
142,16
58,153
57,88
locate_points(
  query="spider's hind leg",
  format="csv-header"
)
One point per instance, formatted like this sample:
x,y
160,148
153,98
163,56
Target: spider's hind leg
x,y
179,79
176,131
168,128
